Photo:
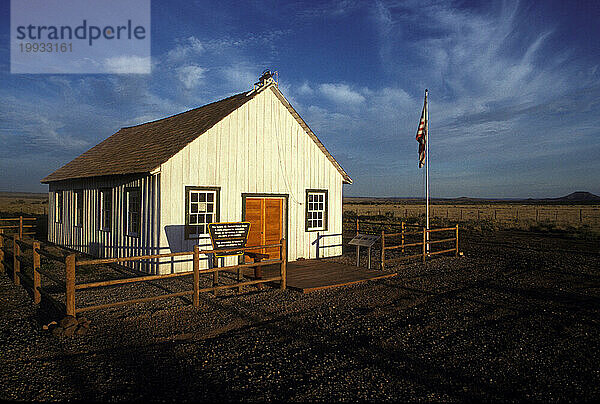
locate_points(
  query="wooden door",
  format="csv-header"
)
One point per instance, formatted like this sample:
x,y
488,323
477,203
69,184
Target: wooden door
x,y
266,223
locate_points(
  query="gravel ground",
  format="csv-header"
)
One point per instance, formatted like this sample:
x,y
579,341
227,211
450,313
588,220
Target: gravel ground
x,y
517,318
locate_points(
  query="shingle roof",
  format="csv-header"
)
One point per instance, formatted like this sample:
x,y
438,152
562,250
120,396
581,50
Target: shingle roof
x,y
143,148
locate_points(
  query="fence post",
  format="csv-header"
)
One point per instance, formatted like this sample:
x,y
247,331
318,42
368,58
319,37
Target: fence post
x,y
37,280
283,267
20,227
456,241
1,251
402,237
70,285
580,216
382,250
215,281
425,241
196,298
16,262
318,243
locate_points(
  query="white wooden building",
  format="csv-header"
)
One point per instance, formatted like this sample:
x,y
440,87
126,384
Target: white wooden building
x,y
154,187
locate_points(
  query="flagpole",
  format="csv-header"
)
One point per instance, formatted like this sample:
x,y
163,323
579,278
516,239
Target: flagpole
x,y
427,162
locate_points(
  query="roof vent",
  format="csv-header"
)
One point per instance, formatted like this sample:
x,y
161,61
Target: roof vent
x,y
267,77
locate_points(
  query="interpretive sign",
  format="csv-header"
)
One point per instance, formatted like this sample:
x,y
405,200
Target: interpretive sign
x,y
364,240
227,236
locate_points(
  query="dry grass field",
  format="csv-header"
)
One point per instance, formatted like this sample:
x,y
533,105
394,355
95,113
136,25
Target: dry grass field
x,y
502,214
23,202
492,215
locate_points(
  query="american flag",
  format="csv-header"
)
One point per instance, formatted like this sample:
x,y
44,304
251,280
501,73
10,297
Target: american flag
x,y
422,134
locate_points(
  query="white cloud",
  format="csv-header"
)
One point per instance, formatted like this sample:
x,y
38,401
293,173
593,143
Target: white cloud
x,y
341,94
186,48
475,57
241,76
45,133
128,64
331,9
191,75
305,89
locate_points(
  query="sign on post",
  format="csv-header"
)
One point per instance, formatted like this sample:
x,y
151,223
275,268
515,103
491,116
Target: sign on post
x,y
227,236
363,240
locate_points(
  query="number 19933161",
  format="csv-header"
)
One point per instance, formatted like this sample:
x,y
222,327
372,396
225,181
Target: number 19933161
x,y
46,47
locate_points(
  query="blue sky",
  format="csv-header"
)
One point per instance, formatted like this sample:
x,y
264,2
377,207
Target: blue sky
x,y
514,90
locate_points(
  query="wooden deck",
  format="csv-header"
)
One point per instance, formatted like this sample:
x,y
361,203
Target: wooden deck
x,y
310,275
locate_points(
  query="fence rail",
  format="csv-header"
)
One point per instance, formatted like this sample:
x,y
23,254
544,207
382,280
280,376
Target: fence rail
x,y
18,246
426,243
196,272
21,225
69,286
319,247
393,240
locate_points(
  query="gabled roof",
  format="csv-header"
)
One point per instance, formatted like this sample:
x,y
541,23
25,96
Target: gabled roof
x,y
143,148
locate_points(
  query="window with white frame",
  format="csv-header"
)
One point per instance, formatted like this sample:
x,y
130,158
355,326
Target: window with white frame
x,y
202,208
78,195
133,200
105,202
316,209
58,206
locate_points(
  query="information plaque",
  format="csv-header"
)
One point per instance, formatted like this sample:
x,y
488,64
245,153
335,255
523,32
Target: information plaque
x,y
227,236
364,240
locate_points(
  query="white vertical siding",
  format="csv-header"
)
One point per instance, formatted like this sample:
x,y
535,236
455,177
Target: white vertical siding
x,y
88,238
259,148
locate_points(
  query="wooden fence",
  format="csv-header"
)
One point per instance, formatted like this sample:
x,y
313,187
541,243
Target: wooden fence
x,y
401,239
425,244
19,261
19,225
70,286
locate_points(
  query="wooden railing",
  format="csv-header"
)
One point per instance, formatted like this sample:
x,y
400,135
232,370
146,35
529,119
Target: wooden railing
x,y
70,286
424,243
402,237
19,263
19,225
319,246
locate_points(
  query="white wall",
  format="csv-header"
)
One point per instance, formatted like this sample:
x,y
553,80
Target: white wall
x,y
259,148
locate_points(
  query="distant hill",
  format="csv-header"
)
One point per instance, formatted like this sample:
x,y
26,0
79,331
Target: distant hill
x,y
579,196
